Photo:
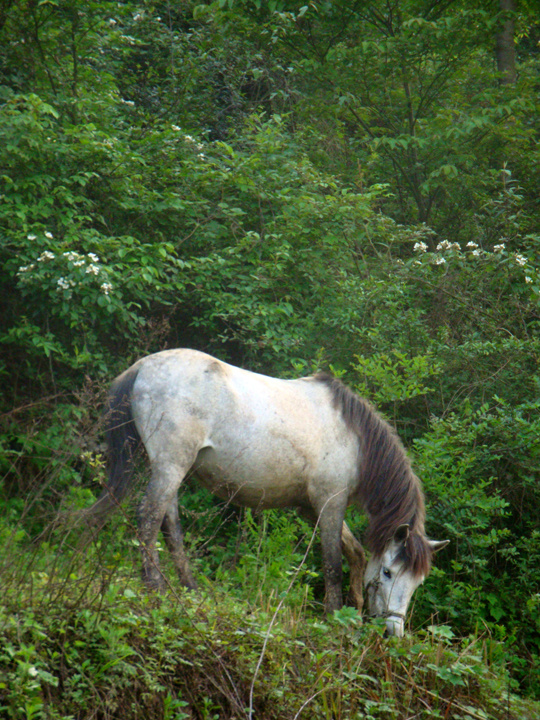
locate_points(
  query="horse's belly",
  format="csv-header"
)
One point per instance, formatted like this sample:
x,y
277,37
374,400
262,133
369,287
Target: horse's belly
x,y
254,482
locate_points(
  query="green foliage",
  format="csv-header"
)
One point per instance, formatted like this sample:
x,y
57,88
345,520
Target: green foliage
x,y
396,376
208,656
271,565
412,98
483,494
293,187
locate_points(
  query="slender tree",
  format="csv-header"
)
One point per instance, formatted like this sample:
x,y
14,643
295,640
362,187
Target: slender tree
x,y
505,50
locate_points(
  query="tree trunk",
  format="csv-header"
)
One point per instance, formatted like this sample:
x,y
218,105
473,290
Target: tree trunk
x,y
505,50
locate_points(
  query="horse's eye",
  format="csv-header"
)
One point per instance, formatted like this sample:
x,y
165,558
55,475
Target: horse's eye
x,y
387,573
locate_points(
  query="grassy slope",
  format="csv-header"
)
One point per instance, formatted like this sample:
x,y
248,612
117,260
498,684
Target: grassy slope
x,y
81,640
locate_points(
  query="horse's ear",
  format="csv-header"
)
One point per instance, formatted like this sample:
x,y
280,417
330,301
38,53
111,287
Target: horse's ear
x,y
401,535
437,545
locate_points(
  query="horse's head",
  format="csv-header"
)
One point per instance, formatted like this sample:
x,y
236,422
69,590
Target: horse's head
x,y
390,580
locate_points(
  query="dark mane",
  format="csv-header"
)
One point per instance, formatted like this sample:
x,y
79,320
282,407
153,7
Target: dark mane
x,y
388,489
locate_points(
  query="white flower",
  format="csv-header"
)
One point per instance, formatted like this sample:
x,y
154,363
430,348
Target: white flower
x,y
188,138
521,260
49,235
476,253
439,261
25,268
112,22
31,237
79,263
201,155
106,288
471,245
93,269
499,248
420,247
47,255
528,279
63,283
93,257
444,245
175,127
74,257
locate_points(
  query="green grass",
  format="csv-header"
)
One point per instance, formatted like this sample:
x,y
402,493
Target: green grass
x,y
80,638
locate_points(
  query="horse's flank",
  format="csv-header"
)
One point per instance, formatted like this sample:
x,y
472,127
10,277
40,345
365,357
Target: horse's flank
x,y
388,489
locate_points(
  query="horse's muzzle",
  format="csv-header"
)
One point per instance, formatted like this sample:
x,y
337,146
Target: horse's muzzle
x,y
394,625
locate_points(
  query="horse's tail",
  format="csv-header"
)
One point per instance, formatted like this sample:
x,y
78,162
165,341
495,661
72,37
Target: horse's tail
x,y
123,441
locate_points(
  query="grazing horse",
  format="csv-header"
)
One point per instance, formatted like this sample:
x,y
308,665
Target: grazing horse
x,y
263,442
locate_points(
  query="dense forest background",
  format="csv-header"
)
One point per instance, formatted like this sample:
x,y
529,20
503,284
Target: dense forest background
x,y
346,185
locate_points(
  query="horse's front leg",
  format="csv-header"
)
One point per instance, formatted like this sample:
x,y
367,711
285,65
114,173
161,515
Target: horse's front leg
x,y
330,524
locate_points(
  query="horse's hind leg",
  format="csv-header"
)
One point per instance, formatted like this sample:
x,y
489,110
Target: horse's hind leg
x,y
156,504
354,552
174,539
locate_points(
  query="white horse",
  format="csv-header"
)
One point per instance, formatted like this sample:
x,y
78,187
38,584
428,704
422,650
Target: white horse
x,y
262,442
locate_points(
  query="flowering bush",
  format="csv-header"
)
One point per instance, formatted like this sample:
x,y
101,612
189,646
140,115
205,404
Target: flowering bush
x,y
73,303
81,273
498,259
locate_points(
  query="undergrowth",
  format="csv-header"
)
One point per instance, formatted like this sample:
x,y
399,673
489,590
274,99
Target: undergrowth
x,y
81,639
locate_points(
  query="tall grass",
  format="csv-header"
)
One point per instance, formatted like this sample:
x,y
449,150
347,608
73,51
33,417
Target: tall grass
x,y
81,638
